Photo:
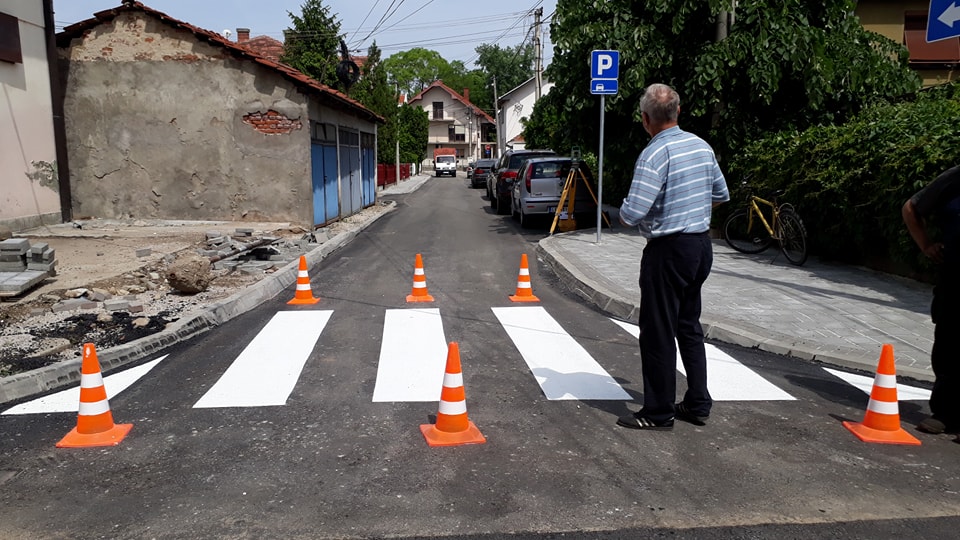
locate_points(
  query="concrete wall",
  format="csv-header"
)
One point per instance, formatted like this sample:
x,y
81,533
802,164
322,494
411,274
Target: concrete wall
x,y
162,125
29,192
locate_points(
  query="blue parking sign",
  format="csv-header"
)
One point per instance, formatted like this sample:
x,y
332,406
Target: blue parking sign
x,y
604,64
943,20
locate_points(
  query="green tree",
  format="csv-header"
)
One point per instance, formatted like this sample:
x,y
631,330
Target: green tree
x,y
312,45
786,64
512,66
415,69
377,94
413,136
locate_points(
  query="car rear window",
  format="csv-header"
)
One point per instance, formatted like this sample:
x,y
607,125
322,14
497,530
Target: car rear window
x,y
517,159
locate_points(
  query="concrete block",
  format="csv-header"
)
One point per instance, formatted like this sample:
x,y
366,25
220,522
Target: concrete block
x,y
38,248
135,307
41,266
69,305
144,252
9,256
98,296
115,304
244,232
213,234
12,266
18,245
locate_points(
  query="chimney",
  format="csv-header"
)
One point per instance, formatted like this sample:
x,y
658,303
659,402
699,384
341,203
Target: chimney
x,y
243,34
466,94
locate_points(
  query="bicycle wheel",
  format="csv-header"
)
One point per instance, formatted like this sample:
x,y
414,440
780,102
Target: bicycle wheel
x,y
793,237
744,234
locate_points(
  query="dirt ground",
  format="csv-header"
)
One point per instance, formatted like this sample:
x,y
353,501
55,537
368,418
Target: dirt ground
x,y
99,255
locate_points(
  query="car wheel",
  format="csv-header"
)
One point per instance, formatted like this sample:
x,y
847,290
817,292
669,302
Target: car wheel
x,y
502,208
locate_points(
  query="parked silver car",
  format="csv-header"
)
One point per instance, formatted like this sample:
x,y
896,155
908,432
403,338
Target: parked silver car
x,y
539,185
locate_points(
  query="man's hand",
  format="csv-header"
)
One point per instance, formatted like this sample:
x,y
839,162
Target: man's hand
x,y
934,252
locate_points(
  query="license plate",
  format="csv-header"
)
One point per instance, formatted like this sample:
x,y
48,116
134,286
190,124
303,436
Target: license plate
x,y
551,209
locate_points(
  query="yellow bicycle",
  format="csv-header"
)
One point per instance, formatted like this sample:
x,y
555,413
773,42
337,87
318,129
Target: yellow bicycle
x,y
750,230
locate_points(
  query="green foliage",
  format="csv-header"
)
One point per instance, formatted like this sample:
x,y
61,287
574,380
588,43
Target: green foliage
x,y
376,94
786,64
413,138
849,182
415,69
312,44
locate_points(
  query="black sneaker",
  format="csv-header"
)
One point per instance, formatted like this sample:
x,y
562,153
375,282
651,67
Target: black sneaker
x,y
932,425
684,414
638,421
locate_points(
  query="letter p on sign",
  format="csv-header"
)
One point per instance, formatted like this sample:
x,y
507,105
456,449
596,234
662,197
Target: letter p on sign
x,y
605,64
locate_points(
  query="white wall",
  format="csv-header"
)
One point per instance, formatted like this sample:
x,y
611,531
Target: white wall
x,y
29,193
519,104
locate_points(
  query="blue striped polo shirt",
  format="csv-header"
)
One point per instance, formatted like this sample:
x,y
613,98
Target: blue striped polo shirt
x,y
676,180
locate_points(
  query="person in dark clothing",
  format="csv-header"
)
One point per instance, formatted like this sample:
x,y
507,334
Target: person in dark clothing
x,y
939,203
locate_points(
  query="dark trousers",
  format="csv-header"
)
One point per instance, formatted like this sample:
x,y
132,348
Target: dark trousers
x,y
945,357
672,272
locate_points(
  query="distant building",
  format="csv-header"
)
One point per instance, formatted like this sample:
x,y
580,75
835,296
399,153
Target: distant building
x,y
169,121
905,21
456,123
515,108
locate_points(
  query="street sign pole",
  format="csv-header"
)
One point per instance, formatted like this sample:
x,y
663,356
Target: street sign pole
x,y
604,75
603,109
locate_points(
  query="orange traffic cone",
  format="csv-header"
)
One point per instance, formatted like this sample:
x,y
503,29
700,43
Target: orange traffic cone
x,y
304,294
95,425
524,292
419,292
881,422
453,428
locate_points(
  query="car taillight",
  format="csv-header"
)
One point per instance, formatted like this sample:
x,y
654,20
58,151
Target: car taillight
x,y
527,182
510,175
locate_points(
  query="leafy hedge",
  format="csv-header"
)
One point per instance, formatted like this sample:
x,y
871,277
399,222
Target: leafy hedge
x,y
849,182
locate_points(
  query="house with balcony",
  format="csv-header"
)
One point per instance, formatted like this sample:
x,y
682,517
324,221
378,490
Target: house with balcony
x,y
905,21
456,123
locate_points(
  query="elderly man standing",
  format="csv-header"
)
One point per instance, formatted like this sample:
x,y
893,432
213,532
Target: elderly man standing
x,y
676,184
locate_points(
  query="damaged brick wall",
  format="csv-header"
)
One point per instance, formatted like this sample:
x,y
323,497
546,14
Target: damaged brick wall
x,y
272,122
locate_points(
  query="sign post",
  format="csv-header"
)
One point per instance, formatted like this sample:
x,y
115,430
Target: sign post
x,y
943,20
604,74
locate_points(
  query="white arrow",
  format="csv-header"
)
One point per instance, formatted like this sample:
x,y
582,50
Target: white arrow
x,y
950,15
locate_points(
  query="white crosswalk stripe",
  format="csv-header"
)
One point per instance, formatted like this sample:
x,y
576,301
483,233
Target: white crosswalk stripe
x,y
413,356
266,371
904,392
69,400
562,367
727,379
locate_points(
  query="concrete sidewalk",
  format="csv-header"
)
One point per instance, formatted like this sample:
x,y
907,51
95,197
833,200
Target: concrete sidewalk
x,y
835,314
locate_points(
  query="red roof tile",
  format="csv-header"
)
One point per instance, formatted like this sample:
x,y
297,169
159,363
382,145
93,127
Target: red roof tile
x,y
326,93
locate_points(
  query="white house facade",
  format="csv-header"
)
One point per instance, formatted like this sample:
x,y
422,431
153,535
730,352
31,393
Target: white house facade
x,y
515,107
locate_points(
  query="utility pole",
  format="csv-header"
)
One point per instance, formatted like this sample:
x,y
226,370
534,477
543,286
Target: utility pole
x,y
496,112
538,51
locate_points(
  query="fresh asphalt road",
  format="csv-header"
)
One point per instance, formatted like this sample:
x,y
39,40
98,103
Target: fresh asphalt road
x,y
304,421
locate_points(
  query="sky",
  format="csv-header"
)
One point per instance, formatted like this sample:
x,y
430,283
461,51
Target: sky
x,y
453,28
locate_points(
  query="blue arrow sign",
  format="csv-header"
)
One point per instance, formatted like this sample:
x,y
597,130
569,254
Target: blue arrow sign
x,y
604,64
603,86
943,20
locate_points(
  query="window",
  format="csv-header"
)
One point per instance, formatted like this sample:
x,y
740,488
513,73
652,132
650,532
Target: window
x,y
10,39
456,133
945,51
438,110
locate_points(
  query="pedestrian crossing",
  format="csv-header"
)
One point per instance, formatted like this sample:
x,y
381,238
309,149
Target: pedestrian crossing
x,y
412,360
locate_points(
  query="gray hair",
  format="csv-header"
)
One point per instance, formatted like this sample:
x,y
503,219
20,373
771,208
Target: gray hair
x,y
661,103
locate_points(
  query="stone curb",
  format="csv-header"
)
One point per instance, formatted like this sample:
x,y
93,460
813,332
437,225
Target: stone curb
x,y
717,328
194,323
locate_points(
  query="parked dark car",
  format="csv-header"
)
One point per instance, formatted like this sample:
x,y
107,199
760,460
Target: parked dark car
x,y
539,186
500,180
481,168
